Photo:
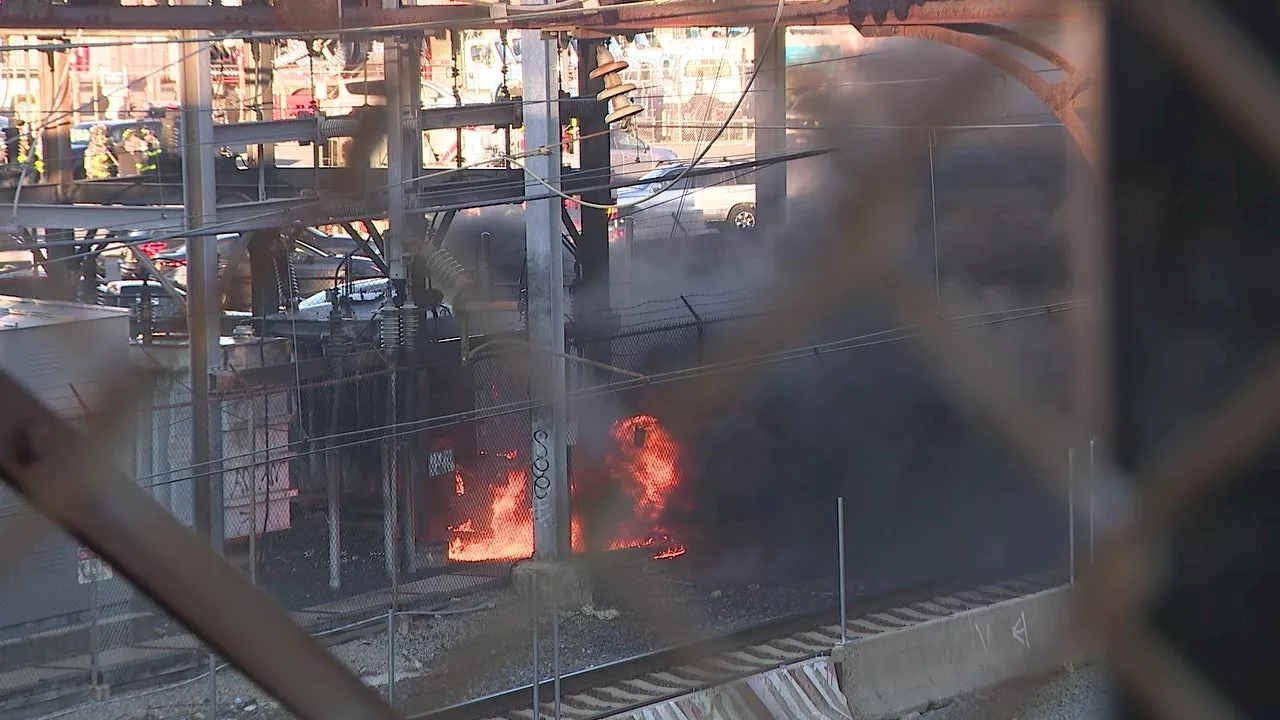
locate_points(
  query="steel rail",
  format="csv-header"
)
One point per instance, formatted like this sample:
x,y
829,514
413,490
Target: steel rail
x,y
516,700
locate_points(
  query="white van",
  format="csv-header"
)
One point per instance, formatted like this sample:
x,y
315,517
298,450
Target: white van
x,y
702,73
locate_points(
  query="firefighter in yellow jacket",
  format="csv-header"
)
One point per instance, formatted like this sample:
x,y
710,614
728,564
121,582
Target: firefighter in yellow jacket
x,y
99,162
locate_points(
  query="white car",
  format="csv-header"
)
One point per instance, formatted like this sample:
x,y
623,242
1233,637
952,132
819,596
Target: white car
x,y
692,205
630,156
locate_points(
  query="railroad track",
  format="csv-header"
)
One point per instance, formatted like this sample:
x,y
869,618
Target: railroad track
x,y
654,677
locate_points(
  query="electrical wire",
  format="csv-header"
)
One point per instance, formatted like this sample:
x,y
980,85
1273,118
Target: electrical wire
x,y
755,71
214,227
402,429
897,334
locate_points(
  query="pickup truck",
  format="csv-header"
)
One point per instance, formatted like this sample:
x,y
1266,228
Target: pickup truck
x,y
692,205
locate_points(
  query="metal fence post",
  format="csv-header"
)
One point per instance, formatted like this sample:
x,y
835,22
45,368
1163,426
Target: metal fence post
x,y
391,656
697,319
252,475
844,601
1071,513
391,492
213,685
95,637
1092,489
537,695
555,647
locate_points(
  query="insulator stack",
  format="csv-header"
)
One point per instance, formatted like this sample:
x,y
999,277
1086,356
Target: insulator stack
x,y
615,91
447,274
389,328
409,323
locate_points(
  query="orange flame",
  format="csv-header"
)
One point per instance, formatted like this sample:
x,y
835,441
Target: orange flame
x,y
459,485
646,467
674,551
510,535
650,473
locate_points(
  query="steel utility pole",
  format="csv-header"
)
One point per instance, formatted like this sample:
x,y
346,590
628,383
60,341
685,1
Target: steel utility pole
x,y
545,264
593,251
261,71
402,68
55,151
204,305
769,98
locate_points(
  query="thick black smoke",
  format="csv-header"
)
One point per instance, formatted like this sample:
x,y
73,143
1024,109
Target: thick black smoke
x,y
930,493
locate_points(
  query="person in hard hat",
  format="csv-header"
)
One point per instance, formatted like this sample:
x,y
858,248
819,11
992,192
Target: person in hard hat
x,y
27,154
99,161
151,150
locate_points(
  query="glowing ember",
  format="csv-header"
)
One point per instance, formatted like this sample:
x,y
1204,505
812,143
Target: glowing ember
x,y
645,467
674,551
510,535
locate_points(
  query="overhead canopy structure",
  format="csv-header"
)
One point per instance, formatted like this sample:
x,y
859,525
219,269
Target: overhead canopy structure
x,y
326,16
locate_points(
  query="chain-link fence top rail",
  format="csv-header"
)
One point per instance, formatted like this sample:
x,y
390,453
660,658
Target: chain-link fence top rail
x,y
1217,57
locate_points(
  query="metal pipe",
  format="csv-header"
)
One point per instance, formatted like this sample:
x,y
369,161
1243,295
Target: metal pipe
x,y
1071,513
844,598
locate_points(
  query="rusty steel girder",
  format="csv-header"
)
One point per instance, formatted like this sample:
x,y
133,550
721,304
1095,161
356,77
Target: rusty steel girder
x,y
1060,97
947,12
327,16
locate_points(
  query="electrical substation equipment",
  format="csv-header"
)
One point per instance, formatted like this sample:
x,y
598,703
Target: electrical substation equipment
x,y
615,91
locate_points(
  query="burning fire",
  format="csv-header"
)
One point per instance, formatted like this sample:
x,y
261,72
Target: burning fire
x,y
646,468
674,551
510,535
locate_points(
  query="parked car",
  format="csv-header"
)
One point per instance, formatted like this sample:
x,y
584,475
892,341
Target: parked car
x,y
166,313
314,268
691,205
630,156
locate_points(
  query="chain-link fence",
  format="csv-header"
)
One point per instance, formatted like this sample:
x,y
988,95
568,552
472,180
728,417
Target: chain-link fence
x,y
963,369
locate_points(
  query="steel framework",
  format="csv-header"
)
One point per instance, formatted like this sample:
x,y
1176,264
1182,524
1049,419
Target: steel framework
x,y
310,17
115,518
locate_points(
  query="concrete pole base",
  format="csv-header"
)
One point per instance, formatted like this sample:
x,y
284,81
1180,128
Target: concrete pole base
x,y
567,582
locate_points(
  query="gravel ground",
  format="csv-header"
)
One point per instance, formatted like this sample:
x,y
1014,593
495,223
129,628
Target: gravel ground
x,y
449,659
1069,695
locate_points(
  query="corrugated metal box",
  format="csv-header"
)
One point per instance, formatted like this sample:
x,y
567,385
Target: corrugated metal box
x,y
66,354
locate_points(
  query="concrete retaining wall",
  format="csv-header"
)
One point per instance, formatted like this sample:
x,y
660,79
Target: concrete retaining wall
x,y
803,691
893,673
